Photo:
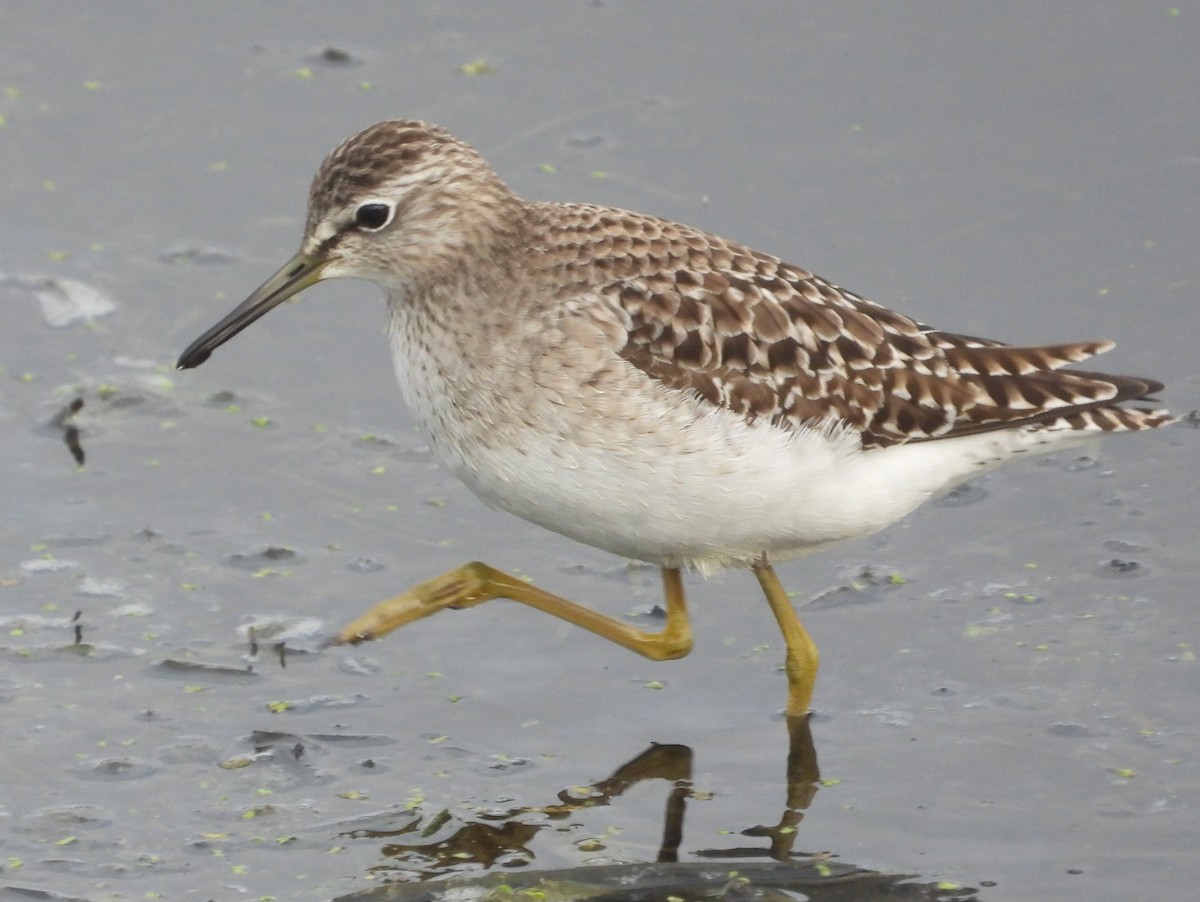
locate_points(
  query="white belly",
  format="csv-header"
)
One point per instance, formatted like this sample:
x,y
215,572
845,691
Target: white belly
x,y
659,475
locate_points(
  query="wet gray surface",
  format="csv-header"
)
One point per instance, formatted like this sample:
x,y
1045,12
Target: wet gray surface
x,y
1009,688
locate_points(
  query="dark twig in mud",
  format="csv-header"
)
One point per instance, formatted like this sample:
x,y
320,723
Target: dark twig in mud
x,y
63,420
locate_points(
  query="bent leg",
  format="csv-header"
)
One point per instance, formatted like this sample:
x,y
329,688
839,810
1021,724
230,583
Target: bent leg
x,y
475,583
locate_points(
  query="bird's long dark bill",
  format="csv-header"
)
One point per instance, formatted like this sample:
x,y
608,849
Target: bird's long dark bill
x,y
296,275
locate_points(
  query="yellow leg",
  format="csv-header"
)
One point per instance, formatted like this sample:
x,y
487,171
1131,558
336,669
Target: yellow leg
x,y
475,583
802,654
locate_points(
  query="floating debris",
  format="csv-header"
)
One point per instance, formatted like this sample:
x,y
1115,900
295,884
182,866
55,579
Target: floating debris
x,y
64,301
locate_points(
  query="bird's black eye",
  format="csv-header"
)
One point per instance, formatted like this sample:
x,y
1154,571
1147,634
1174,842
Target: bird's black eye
x,y
373,216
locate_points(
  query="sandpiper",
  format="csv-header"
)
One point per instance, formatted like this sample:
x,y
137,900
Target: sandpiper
x,y
656,391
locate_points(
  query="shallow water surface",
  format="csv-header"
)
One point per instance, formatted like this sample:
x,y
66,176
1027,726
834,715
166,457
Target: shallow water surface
x,y
1007,705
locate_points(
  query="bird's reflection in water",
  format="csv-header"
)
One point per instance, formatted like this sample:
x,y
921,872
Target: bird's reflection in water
x,y
497,843
501,837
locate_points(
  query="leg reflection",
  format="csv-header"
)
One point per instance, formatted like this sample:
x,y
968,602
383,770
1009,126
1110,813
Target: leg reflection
x,y
803,780
659,762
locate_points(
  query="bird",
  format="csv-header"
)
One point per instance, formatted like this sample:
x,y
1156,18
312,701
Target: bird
x,y
657,391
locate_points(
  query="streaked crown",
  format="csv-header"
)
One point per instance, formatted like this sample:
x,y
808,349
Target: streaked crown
x,y
401,196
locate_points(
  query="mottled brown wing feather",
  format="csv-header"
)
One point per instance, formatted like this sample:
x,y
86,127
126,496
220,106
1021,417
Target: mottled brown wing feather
x,y
765,339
